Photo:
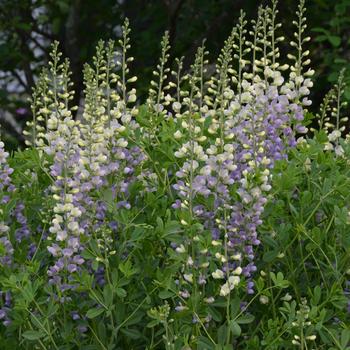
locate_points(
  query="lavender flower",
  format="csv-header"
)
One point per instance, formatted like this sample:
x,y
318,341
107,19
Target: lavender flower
x,y
6,189
251,130
23,231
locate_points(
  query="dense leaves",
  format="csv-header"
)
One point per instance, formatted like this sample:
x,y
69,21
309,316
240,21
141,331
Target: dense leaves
x,y
206,218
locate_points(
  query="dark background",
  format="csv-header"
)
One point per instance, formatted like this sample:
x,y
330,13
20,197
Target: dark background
x,y
27,27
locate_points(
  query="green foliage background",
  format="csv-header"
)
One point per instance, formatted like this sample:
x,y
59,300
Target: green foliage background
x,y
302,289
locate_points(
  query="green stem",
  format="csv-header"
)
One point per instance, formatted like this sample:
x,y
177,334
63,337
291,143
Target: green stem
x,y
97,338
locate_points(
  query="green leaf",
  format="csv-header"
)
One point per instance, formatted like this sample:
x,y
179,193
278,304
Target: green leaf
x,y
170,228
317,295
102,331
108,295
87,255
132,333
279,280
127,269
235,307
152,323
92,313
134,319
222,331
320,30
143,116
138,234
345,338
121,292
33,335
215,314
205,344
235,328
28,292
160,225
95,265
165,294
270,256
347,93
334,40
246,319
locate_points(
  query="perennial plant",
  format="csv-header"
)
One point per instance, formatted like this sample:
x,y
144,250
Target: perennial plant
x,y
175,224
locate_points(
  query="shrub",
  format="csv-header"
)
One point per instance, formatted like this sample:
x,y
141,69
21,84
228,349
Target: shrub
x,y
141,226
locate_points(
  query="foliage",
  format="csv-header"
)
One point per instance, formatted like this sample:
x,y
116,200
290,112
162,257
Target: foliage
x,y
205,218
332,40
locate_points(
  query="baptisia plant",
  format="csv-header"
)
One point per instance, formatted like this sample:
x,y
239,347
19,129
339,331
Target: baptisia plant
x,y
89,156
155,209
231,134
230,129
14,228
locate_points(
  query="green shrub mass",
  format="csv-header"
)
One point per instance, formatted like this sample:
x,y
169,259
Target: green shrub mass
x,y
213,215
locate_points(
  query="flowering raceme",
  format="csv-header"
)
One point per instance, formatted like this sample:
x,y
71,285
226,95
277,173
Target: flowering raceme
x,y
89,156
6,188
251,125
9,214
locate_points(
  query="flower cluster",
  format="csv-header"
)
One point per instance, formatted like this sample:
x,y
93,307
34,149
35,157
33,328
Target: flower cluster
x,y
89,156
330,117
6,188
68,172
6,307
253,119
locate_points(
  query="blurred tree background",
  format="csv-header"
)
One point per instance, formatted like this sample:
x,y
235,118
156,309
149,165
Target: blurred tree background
x,y
27,28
